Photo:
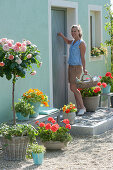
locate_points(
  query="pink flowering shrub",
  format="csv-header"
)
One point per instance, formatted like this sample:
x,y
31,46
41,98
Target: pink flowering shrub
x,y
52,131
15,60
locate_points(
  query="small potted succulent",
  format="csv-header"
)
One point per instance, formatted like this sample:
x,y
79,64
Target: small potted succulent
x,y
69,112
37,152
23,110
36,98
52,135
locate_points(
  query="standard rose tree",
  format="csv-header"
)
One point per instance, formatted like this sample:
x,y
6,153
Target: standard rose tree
x,y
15,60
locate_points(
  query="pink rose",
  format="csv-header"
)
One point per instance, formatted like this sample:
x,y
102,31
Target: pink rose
x,y
33,73
9,44
28,42
29,56
18,44
11,57
6,47
15,48
23,49
4,40
23,44
2,64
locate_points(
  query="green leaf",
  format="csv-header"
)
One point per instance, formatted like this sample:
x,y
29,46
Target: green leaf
x,y
8,75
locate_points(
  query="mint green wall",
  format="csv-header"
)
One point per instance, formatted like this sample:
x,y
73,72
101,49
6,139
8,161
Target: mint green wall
x,y
93,67
28,19
24,19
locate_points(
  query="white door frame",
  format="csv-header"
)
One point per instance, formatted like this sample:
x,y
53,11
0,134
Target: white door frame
x,y
72,18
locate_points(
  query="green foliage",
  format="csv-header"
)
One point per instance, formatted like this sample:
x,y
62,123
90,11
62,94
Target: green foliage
x,y
18,130
35,148
61,134
89,92
24,108
107,80
109,24
97,51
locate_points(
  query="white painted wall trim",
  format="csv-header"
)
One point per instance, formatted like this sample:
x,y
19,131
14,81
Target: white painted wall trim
x,y
94,8
63,4
72,12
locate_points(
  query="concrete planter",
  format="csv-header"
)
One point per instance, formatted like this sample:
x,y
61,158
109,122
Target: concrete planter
x,y
54,144
91,103
70,116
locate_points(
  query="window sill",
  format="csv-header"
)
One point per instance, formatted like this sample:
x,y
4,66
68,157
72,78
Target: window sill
x,y
96,58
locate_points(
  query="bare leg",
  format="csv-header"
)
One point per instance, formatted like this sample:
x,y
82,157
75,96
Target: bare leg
x,y
78,96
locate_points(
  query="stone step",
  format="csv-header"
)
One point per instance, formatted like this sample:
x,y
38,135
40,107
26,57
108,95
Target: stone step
x,y
93,123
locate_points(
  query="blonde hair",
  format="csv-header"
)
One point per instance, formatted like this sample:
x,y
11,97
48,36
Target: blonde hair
x,y
78,28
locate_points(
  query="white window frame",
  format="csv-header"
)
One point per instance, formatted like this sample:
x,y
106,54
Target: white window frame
x,y
94,8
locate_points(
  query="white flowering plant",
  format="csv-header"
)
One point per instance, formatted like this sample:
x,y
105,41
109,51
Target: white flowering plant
x,y
16,59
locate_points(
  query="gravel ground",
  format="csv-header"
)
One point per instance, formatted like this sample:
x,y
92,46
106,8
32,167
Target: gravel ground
x,y
82,153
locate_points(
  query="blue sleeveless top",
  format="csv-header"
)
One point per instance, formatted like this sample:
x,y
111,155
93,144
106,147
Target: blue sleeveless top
x,y
74,53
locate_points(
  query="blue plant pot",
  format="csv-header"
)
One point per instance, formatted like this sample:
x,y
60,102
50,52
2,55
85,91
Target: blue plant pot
x,y
21,117
38,158
36,109
106,89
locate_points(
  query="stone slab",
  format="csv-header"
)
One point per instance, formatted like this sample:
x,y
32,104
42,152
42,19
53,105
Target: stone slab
x,y
93,123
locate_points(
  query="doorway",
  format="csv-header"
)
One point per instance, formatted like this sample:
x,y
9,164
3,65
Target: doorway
x,y
59,59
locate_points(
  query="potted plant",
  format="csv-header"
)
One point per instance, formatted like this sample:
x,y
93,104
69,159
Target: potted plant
x,y
52,135
14,140
36,98
69,112
23,110
97,51
108,80
91,98
37,153
15,59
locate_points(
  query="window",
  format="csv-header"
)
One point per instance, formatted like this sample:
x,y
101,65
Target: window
x,y
95,27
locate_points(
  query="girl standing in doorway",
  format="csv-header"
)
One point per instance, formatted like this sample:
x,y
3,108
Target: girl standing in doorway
x,y
76,63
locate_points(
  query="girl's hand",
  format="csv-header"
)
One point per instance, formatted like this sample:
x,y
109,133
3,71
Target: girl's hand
x,y
60,34
85,71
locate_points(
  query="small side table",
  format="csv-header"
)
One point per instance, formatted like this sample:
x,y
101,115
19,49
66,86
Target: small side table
x,y
108,96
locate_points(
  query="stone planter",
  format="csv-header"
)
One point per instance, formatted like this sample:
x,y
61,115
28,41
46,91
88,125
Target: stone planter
x,y
70,116
55,144
14,149
91,103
